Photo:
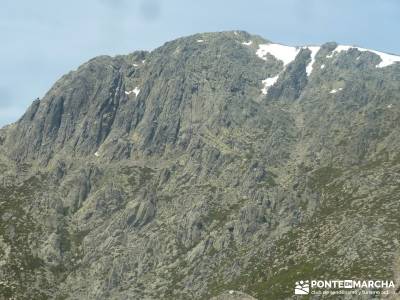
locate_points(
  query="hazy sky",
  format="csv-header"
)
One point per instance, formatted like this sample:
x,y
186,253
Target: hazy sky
x,y
43,39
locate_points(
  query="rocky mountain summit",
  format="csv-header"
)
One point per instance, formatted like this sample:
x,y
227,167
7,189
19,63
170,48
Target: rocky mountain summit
x,y
218,166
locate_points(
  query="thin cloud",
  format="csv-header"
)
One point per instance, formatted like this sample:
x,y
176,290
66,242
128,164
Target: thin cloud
x,y
150,10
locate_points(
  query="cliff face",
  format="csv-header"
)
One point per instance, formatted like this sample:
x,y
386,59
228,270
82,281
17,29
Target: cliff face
x,y
217,162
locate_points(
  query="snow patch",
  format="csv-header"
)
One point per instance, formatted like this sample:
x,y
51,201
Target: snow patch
x,y
268,83
390,106
314,50
386,59
284,53
200,41
97,154
338,49
334,91
323,66
135,91
247,43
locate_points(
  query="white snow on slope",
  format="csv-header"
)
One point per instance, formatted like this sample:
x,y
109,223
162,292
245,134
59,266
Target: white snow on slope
x,y
314,50
287,54
247,43
281,52
338,49
136,91
284,53
387,59
97,154
334,91
200,41
269,82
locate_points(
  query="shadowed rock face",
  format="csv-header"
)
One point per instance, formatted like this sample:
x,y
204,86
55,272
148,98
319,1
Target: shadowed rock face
x,y
179,174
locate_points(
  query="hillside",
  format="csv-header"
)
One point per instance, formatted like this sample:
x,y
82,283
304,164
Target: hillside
x,y
216,162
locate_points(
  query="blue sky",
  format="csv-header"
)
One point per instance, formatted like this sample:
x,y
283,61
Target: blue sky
x,y
43,39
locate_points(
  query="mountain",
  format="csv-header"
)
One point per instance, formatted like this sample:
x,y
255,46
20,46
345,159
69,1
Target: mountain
x,y
220,165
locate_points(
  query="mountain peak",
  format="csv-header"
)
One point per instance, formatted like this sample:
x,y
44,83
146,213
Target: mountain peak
x,y
164,96
218,166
